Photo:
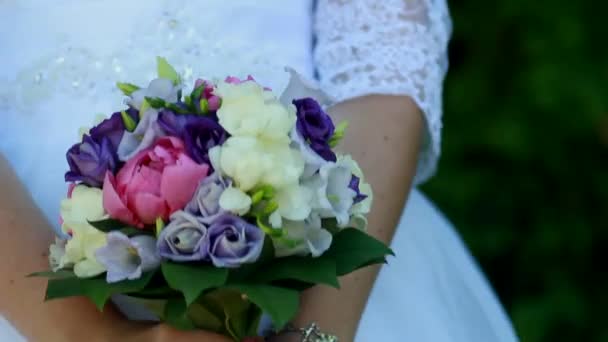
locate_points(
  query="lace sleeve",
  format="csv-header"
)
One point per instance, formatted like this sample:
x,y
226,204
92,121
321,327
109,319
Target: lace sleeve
x,y
395,47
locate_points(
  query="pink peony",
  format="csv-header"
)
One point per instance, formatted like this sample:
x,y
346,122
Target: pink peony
x,y
154,183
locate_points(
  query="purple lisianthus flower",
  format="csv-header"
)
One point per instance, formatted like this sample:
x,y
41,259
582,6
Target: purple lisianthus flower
x,y
96,154
199,133
354,185
233,241
206,201
113,128
184,238
315,127
90,160
127,258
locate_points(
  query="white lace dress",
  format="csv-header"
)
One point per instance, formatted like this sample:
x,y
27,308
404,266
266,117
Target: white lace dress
x,y
60,61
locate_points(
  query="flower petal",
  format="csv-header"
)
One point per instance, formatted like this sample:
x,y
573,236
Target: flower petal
x,y
148,207
113,204
180,181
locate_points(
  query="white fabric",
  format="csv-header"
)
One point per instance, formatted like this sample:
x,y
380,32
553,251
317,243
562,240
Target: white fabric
x,y
61,59
396,47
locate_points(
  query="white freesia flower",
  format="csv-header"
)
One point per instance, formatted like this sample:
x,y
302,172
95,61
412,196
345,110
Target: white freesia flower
x,y
248,110
159,87
250,162
332,195
294,202
303,238
84,205
362,208
235,200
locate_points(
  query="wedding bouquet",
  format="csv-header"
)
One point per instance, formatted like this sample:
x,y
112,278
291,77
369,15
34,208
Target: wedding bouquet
x,y
213,208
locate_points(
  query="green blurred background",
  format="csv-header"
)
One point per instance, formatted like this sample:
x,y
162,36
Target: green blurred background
x,y
525,153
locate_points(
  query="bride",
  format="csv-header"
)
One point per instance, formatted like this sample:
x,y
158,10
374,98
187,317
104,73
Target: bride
x,y
383,62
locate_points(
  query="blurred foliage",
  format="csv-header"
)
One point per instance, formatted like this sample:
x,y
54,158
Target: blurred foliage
x,y
525,157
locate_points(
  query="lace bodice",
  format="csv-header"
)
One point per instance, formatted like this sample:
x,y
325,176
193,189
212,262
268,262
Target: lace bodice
x,y
393,47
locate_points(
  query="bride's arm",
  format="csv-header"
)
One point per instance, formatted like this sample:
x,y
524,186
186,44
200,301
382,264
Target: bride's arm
x,y
396,47
383,136
24,245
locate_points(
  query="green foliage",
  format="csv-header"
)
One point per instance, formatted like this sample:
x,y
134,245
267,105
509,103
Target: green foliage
x,y
279,303
193,279
165,70
339,133
128,121
305,269
96,289
352,249
525,154
127,88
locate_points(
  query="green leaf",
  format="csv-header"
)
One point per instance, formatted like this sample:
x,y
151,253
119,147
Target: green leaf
x,y
237,275
193,279
144,107
353,249
96,289
279,303
127,88
128,121
108,225
203,318
165,70
157,292
155,102
176,314
59,274
203,104
196,93
62,288
131,231
99,291
306,269
160,225
339,133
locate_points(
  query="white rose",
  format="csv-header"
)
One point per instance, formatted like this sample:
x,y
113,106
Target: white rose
x,y
235,201
248,110
250,162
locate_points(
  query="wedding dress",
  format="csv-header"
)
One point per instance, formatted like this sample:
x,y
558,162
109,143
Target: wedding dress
x,y
61,59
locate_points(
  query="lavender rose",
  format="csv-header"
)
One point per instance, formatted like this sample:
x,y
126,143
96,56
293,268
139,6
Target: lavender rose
x,y
315,127
206,201
233,241
96,154
199,133
183,239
